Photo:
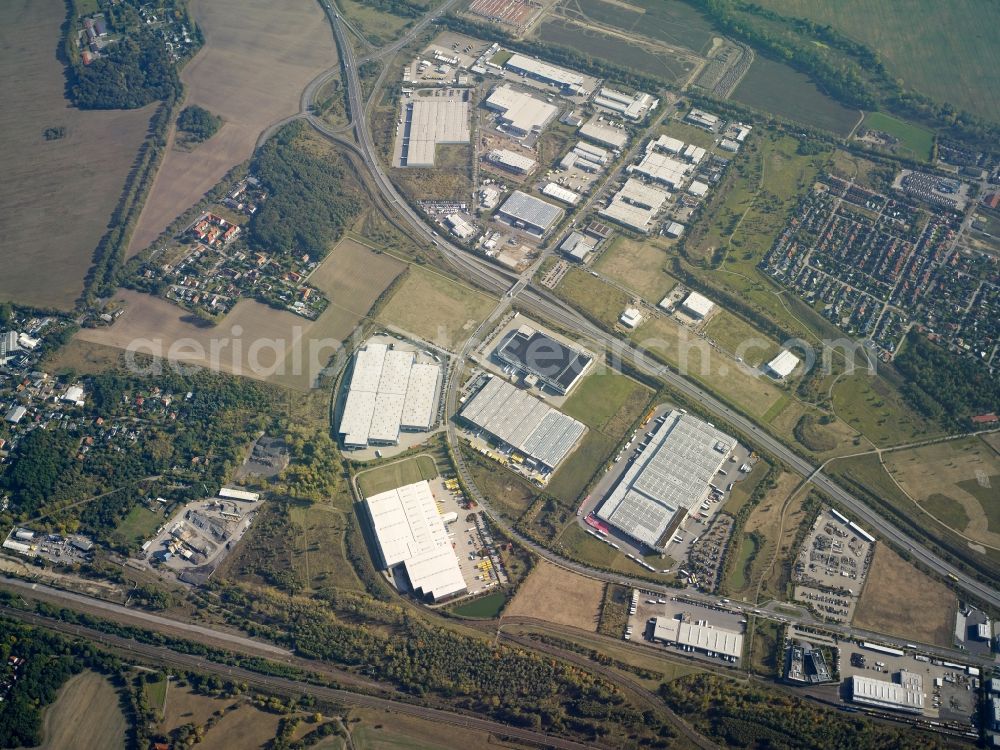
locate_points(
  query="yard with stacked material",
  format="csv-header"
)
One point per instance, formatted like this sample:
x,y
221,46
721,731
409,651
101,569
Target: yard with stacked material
x,y
943,50
560,596
78,177
256,340
901,601
257,59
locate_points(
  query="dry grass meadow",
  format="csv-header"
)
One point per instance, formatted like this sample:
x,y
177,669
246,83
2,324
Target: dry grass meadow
x,y
899,600
85,714
560,596
352,276
955,482
56,196
257,59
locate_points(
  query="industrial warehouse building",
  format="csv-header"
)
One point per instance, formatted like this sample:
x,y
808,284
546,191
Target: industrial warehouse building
x,y
577,246
546,73
429,121
697,305
606,135
905,695
553,190
410,532
670,477
782,366
523,422
700,636
389,391
512,161
635,205
520,113
542,360
527,212
633,106
662,168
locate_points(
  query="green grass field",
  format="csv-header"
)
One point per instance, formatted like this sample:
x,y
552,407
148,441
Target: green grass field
x,y
377,26
738,337
572,476
318,557
598,298
156,694
510,494
577,544
942,49
871,406
396,474
486,608
737,580
915,142
947,510
607,401
137,526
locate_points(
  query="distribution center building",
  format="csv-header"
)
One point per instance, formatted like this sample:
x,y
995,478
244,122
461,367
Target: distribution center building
x,y
546,73
512,161
428,122
409,531
530,213
389,391
520,113
697,305
702,637
673,475
543,359
523,422
906,695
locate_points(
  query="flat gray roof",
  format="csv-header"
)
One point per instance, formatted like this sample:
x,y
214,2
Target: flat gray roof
x,y
523,422
531,210
671,476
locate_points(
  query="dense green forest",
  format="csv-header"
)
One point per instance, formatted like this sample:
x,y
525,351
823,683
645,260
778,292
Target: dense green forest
x,y
198,123
944,385
131,73
197,446
737,715
309,205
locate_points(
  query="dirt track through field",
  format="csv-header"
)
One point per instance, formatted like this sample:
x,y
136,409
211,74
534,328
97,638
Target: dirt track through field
x,y
257,58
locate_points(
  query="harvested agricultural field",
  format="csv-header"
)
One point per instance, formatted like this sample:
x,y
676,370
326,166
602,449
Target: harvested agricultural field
x,y
78,178
436,308
85,714
956,482
257,59
668,22
771,86
560,596
961,66
899,600
255,340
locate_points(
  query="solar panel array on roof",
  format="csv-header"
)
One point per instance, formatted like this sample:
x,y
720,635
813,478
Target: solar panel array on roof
x,y
523,422
555,364
671,476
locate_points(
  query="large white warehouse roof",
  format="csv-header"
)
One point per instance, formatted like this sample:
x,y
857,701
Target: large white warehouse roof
x,y
521,112
389,391
409,530
782,365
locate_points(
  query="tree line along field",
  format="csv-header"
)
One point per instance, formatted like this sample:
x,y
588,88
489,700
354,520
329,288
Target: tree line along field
x,y
257,58
947,51
78,178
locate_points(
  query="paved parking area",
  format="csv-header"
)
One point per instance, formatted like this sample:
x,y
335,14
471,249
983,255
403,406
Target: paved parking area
x,y
656,605
955,699
831,567
837,607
